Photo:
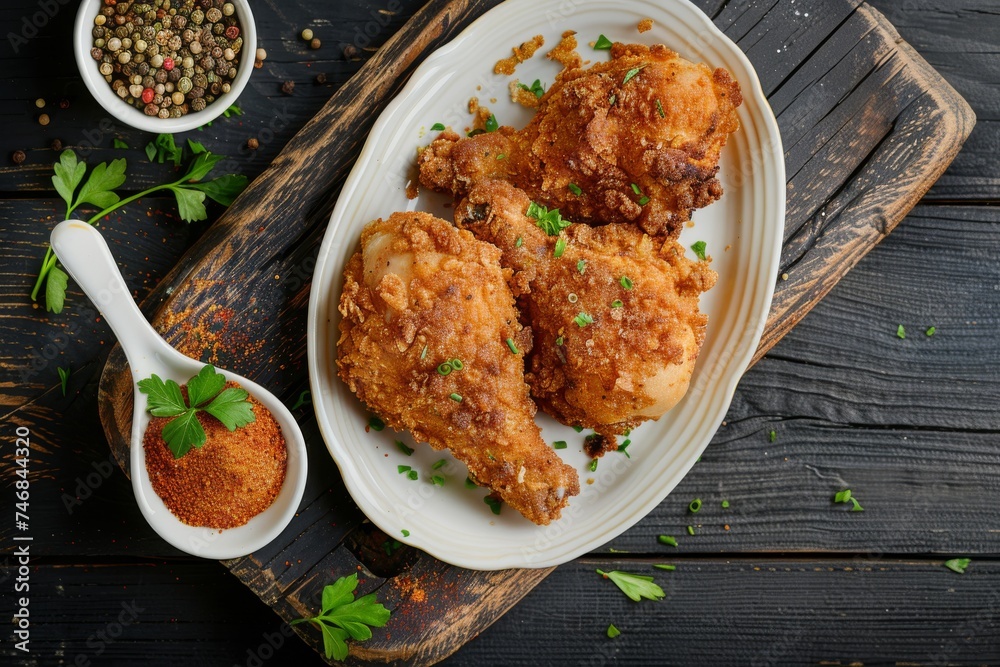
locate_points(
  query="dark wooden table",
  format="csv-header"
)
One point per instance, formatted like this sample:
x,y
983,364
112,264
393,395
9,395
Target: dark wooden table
x,y
911,425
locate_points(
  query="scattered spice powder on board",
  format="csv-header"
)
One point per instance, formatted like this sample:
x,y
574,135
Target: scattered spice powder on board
x,y
645,25
231,479
521,53
565,51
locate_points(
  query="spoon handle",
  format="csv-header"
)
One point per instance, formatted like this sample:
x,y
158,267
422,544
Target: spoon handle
x,y
86,256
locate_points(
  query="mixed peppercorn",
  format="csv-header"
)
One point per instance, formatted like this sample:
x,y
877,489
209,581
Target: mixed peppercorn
x,y
168,57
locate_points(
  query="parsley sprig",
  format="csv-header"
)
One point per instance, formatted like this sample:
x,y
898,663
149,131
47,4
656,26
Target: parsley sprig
x,y
549,221
205,394
99,190
635,586
342,617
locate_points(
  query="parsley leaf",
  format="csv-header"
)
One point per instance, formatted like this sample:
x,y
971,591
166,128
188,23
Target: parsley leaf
x,y
549,221
203,386
103,179
437,127
118,143
55,289
602,44
957,564
491,124
190,204
900,331
699,249
631,74
184,432
68,174
846,497
165,398
343,617
612,630
635,586
63,378
536,88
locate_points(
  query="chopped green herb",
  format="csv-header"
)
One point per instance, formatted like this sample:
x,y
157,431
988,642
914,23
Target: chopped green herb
x,y
623,448
930,331
635,189
437,127
559,444
593,465
519,242
583,319
374,423
494,504
305,398
559,342
437,480
613,631
63,378
413,475
456,397
492,124
699,249
626,282
900,331
669,540
635,586
612,99
423,353
403,448
575,189
643,200
444,368
581,266
659,109
572,298
617,303
405,532
694,505
772,436
602,44
475,132
536,88
343,617
549,221
560,247
690,530
401,469
439,464
629,75
501,156
957,564
469,484
845,496
456,364
665,566
578,429
118,143
725,504
511,346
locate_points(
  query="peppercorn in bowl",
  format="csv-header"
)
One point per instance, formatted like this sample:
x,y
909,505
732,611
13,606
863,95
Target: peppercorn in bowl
x,y
165,65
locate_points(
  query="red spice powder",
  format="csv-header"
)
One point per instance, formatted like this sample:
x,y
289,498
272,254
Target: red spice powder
x,y
232,478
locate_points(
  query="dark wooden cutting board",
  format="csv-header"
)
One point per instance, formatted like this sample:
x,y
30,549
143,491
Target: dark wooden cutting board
x,y
867,127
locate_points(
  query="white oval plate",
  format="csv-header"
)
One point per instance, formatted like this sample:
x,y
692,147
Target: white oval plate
x,y
743,231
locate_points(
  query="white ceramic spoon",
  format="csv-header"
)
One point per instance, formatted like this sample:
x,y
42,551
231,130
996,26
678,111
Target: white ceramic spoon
x,y
84,253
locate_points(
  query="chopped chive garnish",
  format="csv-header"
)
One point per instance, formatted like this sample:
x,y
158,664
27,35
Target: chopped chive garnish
x,y
690,530
493,503
626,282
593,465
405,532
583,319
900,331
437,127
643,200
575,189
375,424
401,469
439,464
437,480
602,44
412,474
665,566
611,100
469,484
511,346
659,109
581,266
617,303
519,242
629,75
699,249
456,397
572,298
444,368
725,504
772,436
560,341
403,448
613,631
957,564
669,540
548,221
694,505
492,124
501,156
578,429
623,448
635,189
423,353
930,331
559,444
560,247
456,364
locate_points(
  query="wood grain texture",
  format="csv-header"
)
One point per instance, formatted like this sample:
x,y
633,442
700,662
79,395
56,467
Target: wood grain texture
x,y
236,279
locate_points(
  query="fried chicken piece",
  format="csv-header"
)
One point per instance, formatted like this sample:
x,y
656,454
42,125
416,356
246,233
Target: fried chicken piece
x,y
422,293
647,117
615,317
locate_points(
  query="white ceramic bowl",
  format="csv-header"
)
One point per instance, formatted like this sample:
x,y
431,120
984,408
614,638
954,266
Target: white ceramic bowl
x,y
130,115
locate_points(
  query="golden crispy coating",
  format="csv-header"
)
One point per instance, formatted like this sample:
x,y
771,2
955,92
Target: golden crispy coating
x,y
615,318
646,117
420,284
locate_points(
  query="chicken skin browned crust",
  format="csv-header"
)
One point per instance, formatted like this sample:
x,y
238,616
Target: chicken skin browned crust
x,y
638,138
419,294
614,317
